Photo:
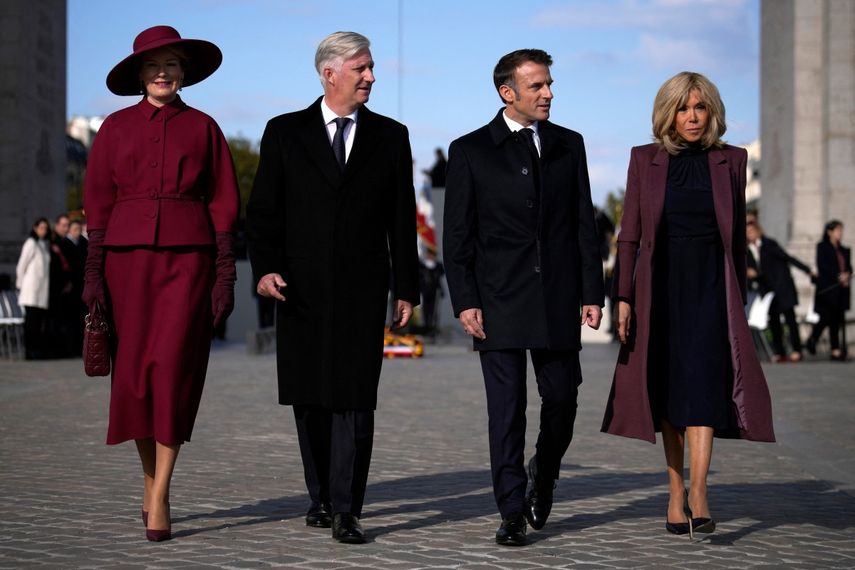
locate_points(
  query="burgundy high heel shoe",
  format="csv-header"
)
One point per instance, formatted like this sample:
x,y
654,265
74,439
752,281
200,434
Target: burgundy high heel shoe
x,y
158,535
154,535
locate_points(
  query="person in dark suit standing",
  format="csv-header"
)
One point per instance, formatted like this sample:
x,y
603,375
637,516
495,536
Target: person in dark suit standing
x,y
523,266
332,205
769,269
74,247
833,295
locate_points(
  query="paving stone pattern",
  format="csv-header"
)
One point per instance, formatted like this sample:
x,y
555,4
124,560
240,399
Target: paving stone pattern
x,y
238,498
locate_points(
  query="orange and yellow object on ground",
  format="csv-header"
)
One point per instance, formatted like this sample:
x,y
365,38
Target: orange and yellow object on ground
x,y
402,345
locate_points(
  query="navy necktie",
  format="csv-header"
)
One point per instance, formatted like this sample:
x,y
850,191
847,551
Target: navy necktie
x,y
338,139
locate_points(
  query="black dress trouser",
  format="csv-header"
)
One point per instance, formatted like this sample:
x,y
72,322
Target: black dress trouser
x,y
336,449
775,313
835,321
558,377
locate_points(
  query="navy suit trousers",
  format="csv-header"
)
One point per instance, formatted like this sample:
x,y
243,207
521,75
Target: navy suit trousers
x,y
558,375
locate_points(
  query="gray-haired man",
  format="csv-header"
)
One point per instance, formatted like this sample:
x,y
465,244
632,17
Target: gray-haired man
x,y
330,220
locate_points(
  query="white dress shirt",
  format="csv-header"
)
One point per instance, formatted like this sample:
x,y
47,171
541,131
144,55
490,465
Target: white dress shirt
x,y
754,247
349,130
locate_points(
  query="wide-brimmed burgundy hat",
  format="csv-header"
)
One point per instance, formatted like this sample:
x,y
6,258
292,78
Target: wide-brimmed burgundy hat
x,y
203,59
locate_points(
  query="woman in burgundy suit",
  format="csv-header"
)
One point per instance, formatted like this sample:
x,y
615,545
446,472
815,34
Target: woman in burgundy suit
x,y
687,366
161,202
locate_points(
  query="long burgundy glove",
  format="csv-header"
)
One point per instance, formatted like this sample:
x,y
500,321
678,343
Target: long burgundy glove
x,y
223,294
93,272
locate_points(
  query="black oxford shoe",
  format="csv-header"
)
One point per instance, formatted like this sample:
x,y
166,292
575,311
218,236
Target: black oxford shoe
x,y
512,531
319,516
346,529
539,499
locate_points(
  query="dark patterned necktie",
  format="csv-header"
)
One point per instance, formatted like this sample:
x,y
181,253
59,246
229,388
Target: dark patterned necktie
x,y
338,139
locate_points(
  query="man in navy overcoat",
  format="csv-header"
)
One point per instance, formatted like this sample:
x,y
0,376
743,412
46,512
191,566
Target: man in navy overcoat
x,y
524,272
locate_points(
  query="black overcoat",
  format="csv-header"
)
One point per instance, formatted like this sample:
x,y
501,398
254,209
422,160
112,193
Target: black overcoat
x,y
830,298
774,272
336,238
528,257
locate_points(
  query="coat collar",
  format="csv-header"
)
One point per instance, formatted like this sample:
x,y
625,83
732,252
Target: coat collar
x,y
365,144
168,110
549,140
498,128
316,140
656,181
723,194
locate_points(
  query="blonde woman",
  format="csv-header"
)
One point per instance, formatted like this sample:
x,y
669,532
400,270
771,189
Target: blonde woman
x,y
687,366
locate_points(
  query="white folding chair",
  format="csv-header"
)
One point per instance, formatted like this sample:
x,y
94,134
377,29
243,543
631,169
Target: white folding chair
x,y
11,326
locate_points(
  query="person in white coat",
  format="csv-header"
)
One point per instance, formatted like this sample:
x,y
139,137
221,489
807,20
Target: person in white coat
x,y
32,282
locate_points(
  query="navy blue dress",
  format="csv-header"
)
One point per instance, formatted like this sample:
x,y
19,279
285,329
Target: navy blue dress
x,y
690,374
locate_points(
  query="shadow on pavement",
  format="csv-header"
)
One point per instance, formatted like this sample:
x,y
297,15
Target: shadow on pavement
x,y
805,502
464,495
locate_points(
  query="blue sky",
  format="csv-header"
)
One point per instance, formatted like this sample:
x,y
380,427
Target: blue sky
x,y
434,61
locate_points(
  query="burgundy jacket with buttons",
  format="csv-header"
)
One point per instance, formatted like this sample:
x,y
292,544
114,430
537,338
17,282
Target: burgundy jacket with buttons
x,y
160,177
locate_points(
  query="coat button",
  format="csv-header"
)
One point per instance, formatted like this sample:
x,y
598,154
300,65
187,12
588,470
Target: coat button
x,y
155,139
153,163
537,268
529,203
524,171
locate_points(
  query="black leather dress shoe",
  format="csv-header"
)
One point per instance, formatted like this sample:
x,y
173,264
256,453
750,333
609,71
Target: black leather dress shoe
x,y
512,531
346,528
319,516
539,499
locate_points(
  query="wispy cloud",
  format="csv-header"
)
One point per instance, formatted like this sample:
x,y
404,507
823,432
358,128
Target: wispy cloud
x,y
674,53
655,15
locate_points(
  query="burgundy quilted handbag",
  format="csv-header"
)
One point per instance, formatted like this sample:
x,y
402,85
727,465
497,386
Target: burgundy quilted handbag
x,y
96,343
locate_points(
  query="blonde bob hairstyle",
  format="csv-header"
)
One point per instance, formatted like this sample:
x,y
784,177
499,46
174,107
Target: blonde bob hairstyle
x,y
673,94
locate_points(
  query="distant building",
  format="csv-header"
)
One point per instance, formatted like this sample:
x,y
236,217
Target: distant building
x,y
80,132
752,176
84,129
807,123
32,112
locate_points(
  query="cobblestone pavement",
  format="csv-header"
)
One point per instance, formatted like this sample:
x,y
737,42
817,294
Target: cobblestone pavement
x,y
238,500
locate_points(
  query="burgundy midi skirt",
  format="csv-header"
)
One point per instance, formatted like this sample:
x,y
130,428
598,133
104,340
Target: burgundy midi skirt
x,y
161,309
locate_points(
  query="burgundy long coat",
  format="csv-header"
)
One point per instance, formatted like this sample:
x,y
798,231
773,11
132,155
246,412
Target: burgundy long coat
x,y
628,412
